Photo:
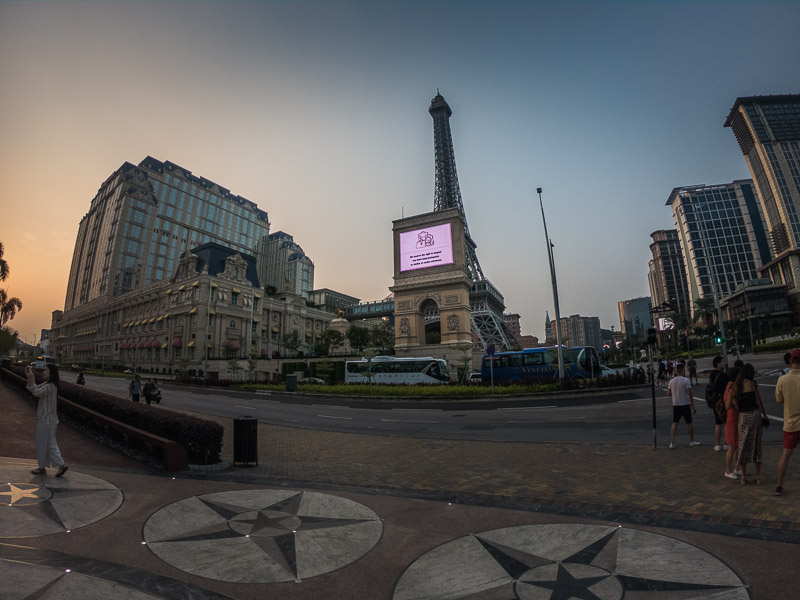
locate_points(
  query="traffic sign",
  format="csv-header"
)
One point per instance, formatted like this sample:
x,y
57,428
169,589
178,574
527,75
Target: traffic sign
x,y
490,350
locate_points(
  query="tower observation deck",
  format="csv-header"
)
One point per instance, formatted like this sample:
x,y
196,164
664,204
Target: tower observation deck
x,y
486,301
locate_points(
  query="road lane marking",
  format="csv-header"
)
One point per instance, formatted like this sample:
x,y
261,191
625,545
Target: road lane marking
x,y
404,421
528,407
634,400
247,407
333,417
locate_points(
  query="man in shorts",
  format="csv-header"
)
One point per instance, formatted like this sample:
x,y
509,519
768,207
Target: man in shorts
x,y
680,390
787,392
692,365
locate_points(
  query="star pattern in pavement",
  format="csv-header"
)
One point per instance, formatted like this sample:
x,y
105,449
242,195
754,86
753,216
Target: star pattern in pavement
x,y
22,494
284,529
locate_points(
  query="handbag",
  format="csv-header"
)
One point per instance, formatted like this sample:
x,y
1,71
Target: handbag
x,y
764,421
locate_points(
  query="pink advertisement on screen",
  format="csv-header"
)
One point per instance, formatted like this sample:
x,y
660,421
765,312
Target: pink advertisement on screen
x,y
428,247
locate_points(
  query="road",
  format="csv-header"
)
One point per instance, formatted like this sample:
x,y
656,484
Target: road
x,y
623,417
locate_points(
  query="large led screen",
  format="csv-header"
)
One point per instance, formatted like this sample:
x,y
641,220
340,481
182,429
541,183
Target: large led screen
x,y
423,248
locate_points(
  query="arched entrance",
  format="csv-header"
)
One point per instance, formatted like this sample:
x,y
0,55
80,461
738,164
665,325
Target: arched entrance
x,y
433,327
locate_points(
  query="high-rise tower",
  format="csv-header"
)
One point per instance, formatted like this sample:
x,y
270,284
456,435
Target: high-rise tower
x,y
486,301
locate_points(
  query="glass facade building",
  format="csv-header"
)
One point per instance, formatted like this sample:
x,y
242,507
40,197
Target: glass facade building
x,y
722,236
667,275
144,217
286,266
767,129
634,316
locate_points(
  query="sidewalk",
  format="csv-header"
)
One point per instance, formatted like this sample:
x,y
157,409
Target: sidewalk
x,y
358,516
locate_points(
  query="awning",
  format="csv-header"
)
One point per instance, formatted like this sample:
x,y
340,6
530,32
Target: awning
x,y
177,342
257,295
190,344
233,344
152,320
237,290
183,287
275,329
210,344
169,291
211,311
160,318
196,283
256,320
164,345
193,311
140,345
213,285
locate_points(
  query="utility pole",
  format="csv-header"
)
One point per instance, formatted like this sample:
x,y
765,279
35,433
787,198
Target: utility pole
x,y
552,263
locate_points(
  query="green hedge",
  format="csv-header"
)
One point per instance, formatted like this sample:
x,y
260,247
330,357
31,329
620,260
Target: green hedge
x,y
201,438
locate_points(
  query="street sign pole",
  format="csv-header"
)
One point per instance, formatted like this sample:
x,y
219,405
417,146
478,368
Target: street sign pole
x,y
490,352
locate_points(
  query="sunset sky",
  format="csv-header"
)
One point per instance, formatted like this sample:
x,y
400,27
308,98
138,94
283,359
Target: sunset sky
x,y
317,112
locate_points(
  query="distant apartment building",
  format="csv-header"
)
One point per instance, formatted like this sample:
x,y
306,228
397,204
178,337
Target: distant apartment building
x,y
286,266
581,331
634,316
722,236
767,129
667,272
523,341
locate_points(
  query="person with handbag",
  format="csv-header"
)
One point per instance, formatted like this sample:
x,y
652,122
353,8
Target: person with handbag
x,y
747,400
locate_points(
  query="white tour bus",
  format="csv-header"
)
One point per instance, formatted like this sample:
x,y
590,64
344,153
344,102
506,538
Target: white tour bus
x,y
388,369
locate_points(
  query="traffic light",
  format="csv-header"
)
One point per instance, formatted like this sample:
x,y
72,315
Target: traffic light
x,y
718,339
652,337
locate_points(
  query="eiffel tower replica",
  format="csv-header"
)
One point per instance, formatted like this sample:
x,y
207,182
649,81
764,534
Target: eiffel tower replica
x,y
486,301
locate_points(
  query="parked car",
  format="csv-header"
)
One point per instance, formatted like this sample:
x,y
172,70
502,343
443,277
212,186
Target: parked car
x,y
605,371
475,378
314,380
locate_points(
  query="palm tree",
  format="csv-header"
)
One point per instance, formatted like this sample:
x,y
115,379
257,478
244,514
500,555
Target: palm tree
x,y
8,307
705,310
3,265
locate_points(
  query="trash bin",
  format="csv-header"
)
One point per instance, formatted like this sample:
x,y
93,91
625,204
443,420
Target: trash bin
x,y
245,440
291,383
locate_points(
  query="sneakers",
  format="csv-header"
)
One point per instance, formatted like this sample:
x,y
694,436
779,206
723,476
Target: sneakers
x,y
61,470
694,443
738,472
731,476
779,491
672,446
717,448
38,472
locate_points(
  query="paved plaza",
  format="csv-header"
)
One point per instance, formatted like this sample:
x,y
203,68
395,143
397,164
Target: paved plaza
x,y
327,515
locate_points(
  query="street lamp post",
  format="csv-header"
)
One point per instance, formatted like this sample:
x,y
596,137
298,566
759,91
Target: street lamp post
x,y
555,293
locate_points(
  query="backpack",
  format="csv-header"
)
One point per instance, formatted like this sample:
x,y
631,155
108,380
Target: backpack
x,y
711,391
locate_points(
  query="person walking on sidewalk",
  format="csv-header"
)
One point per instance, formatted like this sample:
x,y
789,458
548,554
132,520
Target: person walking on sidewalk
x,y
47,451
135,388
680,390
787,392
719,380
747,400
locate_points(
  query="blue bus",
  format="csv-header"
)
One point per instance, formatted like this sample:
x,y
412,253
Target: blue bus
x,y
540,365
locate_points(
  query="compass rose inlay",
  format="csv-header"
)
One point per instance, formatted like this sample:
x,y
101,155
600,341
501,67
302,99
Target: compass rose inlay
x,y
260,536
566,561
32,505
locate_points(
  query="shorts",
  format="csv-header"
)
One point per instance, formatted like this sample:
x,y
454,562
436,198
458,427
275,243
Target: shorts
x,y
682,410
790,439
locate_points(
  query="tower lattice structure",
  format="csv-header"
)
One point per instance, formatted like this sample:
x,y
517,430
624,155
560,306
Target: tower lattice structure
x,y
486,302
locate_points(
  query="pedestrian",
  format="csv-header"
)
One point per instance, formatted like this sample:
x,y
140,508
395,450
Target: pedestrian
x,y
680,390
787,392
719,380
81,379
47,452
662,370
670,368
787,359
747,400
732,427
135,388
149,390
692,365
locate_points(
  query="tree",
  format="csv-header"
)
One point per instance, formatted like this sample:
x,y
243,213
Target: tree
x,y
9,306
4,270
332,339
382,337
234,367
705,311
291,341
252,363
358,337
7,340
